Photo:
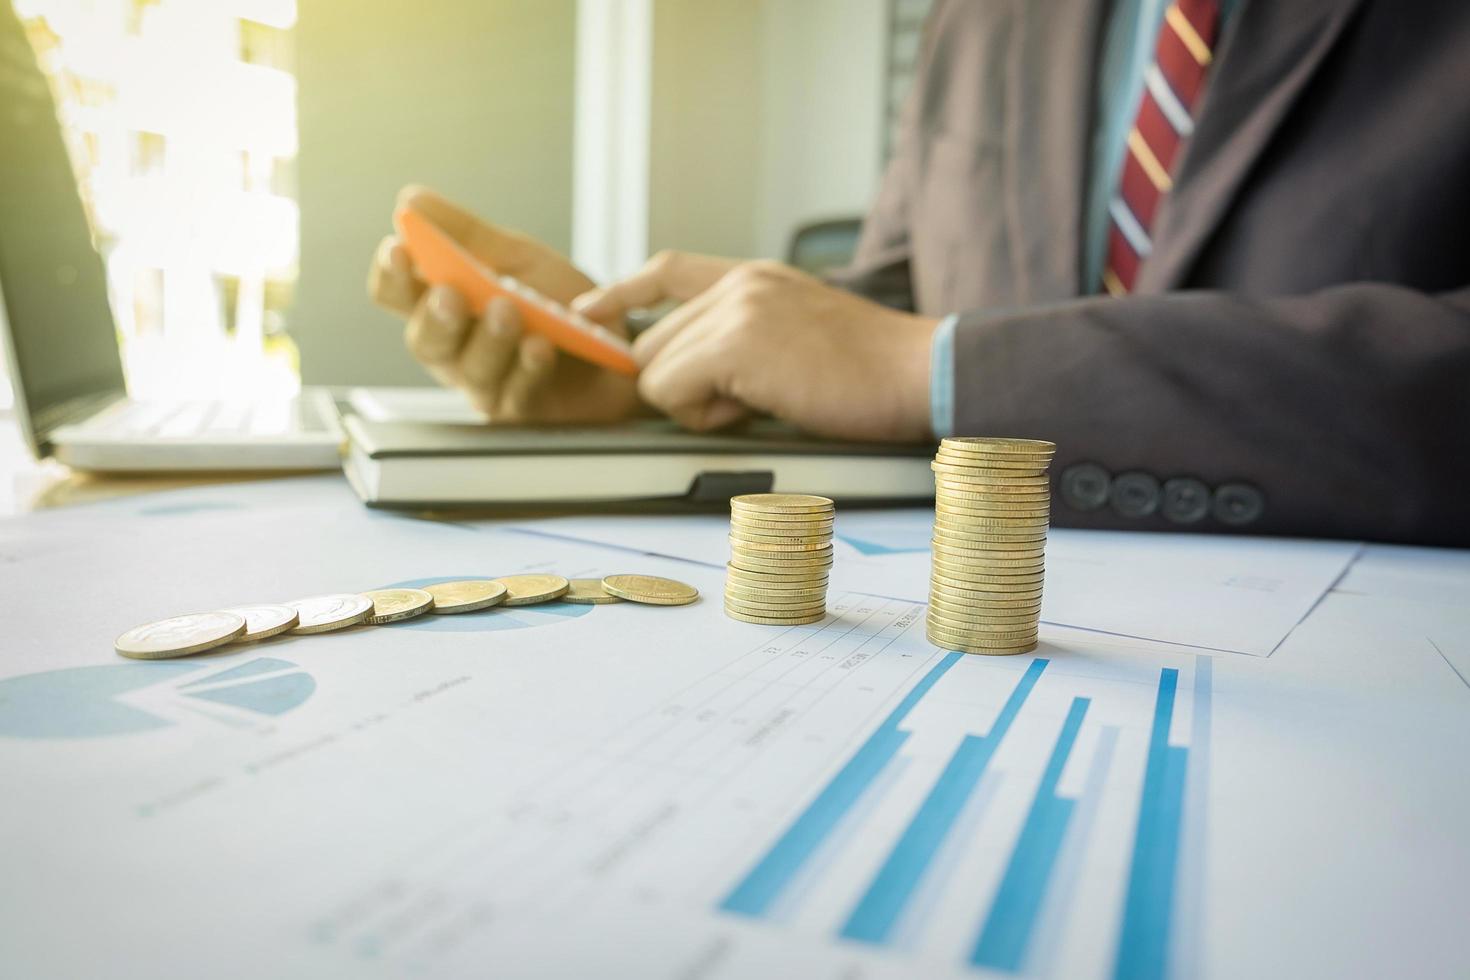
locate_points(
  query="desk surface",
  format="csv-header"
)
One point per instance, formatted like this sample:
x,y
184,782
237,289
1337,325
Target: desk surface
x,y
629,791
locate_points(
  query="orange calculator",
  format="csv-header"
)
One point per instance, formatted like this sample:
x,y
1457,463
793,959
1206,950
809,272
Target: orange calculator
x,y
441,261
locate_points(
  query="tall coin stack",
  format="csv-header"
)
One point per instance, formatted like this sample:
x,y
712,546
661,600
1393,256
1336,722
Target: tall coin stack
x,y
780,554
992,506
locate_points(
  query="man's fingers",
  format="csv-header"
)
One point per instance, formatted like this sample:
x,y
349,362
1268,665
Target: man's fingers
x,y
391,282
436,328
534,363
648,344
685,384
505,251
490,351
677,276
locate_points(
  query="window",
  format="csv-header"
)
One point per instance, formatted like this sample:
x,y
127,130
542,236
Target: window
x,y
181,119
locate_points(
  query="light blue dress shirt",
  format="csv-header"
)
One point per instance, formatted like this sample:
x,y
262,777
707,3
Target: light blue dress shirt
x,y
1127,53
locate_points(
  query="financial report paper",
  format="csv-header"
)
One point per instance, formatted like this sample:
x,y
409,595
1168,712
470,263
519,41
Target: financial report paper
x,y
1218,592
618,790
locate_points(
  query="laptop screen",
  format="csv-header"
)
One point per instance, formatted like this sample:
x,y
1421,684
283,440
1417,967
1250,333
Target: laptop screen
x,y
62,339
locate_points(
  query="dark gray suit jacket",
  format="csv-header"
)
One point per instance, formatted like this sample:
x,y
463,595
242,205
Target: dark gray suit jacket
x,y
1296,356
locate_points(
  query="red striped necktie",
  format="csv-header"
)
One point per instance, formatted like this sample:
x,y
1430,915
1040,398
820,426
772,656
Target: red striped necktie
x,y
1172,86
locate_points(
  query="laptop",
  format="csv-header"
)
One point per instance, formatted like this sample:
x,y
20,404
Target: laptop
x,y
60,342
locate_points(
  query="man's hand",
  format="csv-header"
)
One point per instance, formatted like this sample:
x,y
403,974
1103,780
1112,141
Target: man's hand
x,y
767,338
508,375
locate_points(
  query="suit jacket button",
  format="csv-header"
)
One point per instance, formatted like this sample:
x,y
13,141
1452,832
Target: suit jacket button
x,y
1135,494
1085,486
1186,500
1237,504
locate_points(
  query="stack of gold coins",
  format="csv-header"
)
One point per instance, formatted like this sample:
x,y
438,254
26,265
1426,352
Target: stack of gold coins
x,y
780,554
992,506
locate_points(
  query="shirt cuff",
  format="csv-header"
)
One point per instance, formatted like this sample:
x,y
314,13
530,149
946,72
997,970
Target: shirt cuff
x,y
941,378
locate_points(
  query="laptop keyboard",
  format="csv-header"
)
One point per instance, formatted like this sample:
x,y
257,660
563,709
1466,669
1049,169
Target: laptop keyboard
x,y
181,420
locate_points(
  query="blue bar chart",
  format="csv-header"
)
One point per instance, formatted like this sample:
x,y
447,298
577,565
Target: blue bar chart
x,y
765,882
1040,836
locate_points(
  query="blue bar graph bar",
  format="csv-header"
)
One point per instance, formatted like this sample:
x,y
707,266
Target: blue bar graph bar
x,y
1143,946
1006,935
763,884
878,911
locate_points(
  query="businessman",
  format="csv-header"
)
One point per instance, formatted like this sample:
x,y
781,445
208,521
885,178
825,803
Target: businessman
x,y
1217,250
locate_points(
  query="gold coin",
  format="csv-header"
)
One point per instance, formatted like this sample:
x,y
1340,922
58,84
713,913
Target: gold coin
x,y
971,629
466,595
981,594
327,613
1004,520
746,516
733,587
1003,648
996,468
650,589
750,563
982,613
776,580
982,560
976,565
264,621
783,545
1011,550
743,617
981,622
1001,444
966,502
977,637
180,636
962,512
999,481
529,590
1033,517
775,602
1001,566
1017,462
980,538
977,542
958,484
781,528
588,592
786,614
999,650
781,503
988,600
981,518
393,605
995,491
1024,579
1018,527
985,495
807,540
1009,461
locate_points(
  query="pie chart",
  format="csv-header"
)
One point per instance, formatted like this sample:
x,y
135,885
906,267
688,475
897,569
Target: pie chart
x,y
127,698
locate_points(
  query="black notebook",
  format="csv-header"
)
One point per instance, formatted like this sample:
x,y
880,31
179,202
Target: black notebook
x,y
416,464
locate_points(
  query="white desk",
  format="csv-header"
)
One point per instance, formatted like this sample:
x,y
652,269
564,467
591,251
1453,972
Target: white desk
x,y
625,791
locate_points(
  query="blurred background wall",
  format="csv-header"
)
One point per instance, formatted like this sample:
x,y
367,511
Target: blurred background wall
x,y
473,97
766,115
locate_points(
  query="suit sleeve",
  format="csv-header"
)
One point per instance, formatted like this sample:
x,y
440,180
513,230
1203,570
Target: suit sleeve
x,y
880,265
1348,409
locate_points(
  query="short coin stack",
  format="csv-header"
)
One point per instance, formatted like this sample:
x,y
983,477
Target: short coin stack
x,y
780,554
992,506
